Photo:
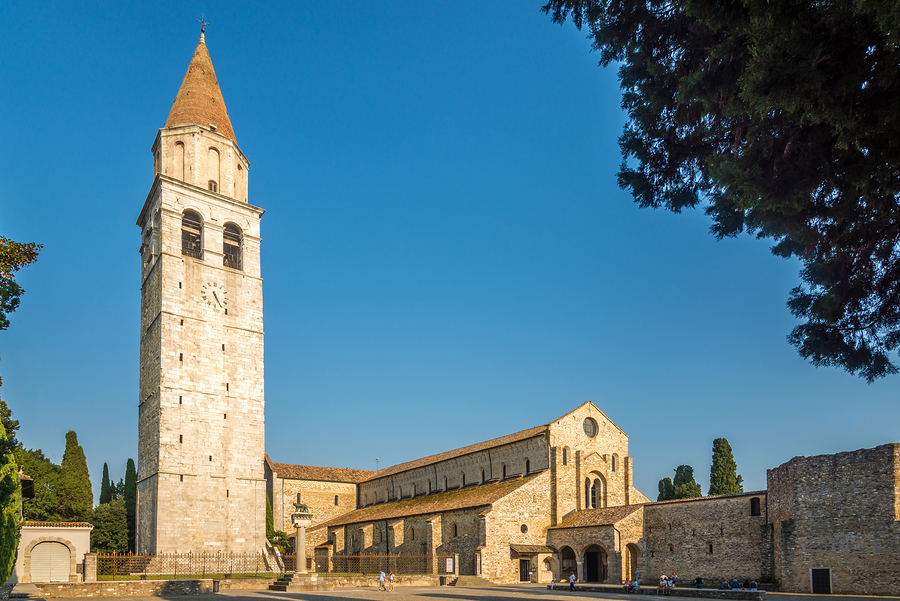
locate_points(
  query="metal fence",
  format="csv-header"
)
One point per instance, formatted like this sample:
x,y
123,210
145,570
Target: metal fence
x,y
179,566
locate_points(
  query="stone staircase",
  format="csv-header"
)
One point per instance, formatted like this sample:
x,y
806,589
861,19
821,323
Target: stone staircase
x,y
299,582
470,581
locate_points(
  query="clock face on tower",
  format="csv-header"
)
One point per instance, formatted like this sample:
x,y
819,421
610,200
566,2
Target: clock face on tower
x,y
214,295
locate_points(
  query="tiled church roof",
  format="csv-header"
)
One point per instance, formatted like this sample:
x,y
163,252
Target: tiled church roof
x,y
481,446
604,516
475,496
321,474
199,100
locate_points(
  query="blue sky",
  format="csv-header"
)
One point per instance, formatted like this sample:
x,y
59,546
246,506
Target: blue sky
x,y
446,255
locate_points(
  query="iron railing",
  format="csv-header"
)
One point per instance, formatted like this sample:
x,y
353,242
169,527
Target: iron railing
x,y
181,566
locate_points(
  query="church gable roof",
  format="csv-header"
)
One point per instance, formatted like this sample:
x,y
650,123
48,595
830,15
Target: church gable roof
x,y
481,446
605,516
290,471
465,498
199,100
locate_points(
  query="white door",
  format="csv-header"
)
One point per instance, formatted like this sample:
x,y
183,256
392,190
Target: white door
x,y
50,562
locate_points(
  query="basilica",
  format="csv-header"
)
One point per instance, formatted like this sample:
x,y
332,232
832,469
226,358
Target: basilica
x,y
531,506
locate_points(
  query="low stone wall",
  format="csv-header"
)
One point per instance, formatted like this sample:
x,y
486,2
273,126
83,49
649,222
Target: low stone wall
x,y
160,588
124,588
678,592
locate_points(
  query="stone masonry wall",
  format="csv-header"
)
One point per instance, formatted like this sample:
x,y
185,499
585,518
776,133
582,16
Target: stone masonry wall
x,y
576,457
319,496
712,537
526,506
839,512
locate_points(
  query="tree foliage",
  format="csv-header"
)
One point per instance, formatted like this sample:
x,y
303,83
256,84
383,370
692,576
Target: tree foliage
x,y
44,507
10,502
129,494
106,493
110,533
685,486
666,490
270,519
76,500
723,476
13,256
779,117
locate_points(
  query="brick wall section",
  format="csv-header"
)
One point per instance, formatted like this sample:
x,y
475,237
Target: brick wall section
x,y
678,535
840,512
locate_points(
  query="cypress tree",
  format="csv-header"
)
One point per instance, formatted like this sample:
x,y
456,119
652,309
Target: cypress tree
x,y
105,492
76,501
131,503
666,490
10,501
685,486
723,478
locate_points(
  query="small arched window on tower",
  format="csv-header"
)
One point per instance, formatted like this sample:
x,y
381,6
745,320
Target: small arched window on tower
x,y
191,234
178,159
462,480
231,246
503,472
213,169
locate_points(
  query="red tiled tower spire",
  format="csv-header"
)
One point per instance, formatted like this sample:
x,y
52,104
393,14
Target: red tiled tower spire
x,y
199,100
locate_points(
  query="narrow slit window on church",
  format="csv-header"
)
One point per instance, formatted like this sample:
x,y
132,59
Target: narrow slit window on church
x,y
224,416
210,457
179,400
181,356
226,387
482,475
227,493
710,548
754,506
503,471
191,234
565,456
231,241
181,438
182,322
335,500
223,346
179,285
527,467
182,477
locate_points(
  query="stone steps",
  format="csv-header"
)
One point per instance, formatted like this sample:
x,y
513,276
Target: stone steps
x,y
299,582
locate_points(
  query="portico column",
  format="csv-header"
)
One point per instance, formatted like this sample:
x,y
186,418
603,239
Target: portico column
x,y
579,572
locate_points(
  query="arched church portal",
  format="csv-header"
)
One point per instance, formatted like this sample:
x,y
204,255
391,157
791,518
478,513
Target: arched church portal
x,y
595,564
568,563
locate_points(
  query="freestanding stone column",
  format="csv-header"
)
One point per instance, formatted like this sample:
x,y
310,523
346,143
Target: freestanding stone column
x,y
302,518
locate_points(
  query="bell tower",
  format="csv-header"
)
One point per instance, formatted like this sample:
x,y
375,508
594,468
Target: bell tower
x,y
201,434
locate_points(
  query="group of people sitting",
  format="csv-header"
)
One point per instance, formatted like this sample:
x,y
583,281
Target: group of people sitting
x,y
747,585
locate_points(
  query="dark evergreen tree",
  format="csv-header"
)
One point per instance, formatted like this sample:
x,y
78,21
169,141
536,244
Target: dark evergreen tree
x,y
105,491
130,496
9,424
666,490
76,500
685,486
110,533
780,119
723,478
118,491
10,501
44,507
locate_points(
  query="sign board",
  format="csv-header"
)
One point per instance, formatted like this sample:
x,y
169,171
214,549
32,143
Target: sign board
x,y
449,565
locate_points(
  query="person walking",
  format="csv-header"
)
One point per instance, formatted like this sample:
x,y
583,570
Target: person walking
x,y
381,586
572,581
391,580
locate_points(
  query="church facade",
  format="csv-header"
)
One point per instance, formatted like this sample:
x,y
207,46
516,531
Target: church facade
x,y
532,506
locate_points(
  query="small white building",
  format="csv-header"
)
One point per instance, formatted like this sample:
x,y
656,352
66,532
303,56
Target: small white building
x,y
51,552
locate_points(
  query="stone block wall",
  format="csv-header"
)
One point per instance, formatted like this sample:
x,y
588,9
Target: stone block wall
x,y
838,512
577,458
712,537
525,507
319,496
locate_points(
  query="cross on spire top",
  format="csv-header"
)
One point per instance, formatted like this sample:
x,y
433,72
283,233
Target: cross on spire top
x,y
203,25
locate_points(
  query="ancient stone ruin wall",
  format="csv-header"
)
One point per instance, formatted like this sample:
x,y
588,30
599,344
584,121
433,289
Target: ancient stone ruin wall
x,y
715,538
839,512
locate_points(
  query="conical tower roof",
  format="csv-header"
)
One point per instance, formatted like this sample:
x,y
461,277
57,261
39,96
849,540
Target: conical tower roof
x,y
199,101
